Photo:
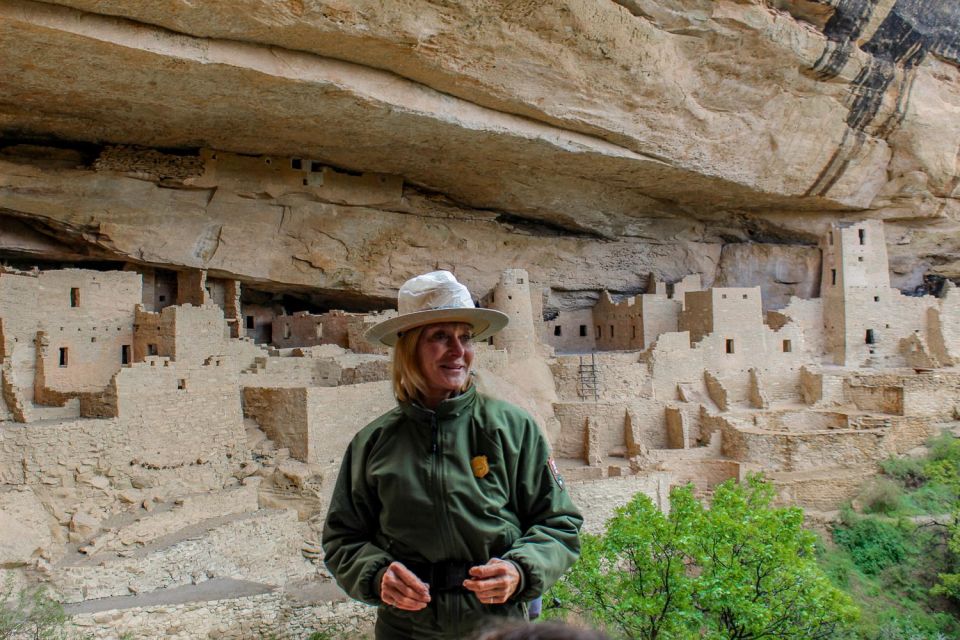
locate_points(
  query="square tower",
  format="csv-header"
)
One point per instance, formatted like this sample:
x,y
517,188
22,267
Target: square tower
x,y
855,287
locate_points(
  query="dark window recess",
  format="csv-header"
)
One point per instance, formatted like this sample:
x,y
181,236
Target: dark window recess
x,y
316,167
634,331
63,356
787,346
611,331
583,331
296,163
831,237
870,338
125,354
833,276
74,297
557,331
250,322
152,350
519,280
182,384
876,298
863,235
163,298
729,345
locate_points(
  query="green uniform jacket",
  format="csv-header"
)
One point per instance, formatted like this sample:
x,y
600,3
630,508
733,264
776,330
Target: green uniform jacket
x,y
407,492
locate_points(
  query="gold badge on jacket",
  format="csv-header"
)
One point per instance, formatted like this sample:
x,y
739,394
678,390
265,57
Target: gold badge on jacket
x,y
480,466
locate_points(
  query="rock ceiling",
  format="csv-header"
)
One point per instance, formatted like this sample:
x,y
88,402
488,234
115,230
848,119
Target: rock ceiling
x,y
590,141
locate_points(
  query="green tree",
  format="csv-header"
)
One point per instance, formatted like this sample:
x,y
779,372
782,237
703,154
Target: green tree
x,y
29,613
739,570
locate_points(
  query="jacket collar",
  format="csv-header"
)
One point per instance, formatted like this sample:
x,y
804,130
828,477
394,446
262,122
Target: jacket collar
x,y
450,408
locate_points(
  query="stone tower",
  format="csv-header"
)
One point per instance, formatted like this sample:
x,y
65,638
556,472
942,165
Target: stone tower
x,y
512,297
855,288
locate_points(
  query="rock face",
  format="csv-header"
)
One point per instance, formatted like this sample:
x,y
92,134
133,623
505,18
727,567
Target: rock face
x,y
637,131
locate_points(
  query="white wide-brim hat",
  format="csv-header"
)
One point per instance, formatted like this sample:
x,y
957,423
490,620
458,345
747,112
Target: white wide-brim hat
x,y
431,298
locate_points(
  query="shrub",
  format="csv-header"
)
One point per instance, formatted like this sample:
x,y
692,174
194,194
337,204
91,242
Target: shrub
x,y
908,471
29,613
873,544
740,569
882,495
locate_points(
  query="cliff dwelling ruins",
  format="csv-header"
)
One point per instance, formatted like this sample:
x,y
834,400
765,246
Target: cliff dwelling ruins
x,y
726,234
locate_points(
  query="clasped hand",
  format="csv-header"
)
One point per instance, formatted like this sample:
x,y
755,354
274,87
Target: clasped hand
x,y
492,583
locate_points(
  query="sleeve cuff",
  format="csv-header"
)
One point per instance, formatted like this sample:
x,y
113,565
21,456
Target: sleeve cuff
x,y
523,579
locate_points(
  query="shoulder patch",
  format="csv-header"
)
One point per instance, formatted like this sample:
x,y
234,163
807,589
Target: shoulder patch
x,y
552,464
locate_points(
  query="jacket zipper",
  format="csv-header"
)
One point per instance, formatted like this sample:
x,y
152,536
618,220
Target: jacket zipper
x,y
440,485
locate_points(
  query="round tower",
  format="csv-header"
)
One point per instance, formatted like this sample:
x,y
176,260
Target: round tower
x,y
512,297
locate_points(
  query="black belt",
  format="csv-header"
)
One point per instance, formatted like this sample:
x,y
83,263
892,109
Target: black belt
x,y
441,576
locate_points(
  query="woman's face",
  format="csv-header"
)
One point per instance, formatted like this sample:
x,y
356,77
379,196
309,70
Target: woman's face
x,y
445,353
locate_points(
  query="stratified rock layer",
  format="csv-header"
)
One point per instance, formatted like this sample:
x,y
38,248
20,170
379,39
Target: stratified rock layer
x,y
638,121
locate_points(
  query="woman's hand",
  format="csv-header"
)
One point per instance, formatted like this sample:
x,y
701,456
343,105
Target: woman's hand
x,y
494,582
401,588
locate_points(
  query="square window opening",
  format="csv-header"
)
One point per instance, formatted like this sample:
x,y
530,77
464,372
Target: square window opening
x,y
787,346
557,331
583,331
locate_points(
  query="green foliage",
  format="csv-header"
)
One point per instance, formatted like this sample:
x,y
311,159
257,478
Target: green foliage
x,y
874,544
741,569
882,495
944,462
30,613
908,471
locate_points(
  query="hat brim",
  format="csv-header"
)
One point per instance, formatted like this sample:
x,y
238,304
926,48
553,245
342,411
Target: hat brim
x,y
485,323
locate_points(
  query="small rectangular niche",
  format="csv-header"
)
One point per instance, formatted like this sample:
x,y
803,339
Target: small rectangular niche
x,y
744,296
859,258
870,338
862,234
296,164
151,350
730,345
787,346
611,331
634,331
125,354
74,297
830,236
583,331
519,280
249,320
876,298
64,356
833,276
181,384
557,331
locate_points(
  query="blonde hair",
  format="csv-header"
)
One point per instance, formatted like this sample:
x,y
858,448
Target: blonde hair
x,y
408,381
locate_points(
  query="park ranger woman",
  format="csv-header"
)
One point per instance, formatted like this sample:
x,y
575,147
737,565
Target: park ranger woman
x,y
448,511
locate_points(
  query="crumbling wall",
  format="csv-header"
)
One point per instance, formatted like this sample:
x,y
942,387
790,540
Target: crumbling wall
x,y
282,414
317,423
647,417
620,376
933,395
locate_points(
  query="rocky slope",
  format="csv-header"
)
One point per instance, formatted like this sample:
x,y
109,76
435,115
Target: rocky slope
x,y
592,142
